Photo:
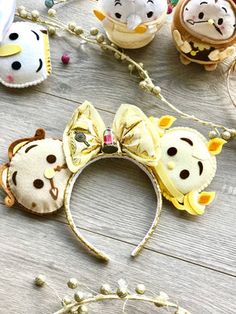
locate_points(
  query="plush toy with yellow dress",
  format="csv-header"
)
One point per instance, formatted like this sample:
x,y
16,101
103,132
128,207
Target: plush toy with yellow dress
x,y
131,23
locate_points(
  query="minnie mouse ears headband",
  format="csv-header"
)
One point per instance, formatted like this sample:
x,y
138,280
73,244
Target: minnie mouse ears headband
x,y
179,161
24,50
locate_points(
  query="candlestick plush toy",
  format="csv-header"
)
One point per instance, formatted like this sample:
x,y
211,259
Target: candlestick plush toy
x,y
205,31
24,50
131,23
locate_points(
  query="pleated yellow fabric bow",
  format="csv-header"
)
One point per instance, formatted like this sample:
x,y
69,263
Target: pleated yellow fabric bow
x,y
132,134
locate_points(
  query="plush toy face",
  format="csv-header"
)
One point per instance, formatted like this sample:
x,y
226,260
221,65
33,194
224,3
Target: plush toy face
x,y
24,55
134,12
37,176
214,19
186,159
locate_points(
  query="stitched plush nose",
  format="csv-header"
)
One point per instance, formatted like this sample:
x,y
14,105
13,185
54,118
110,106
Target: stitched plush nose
x,y
211,21
49,173
171,165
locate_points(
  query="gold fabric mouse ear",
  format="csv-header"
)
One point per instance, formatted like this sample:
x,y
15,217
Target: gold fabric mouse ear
x,y
86,140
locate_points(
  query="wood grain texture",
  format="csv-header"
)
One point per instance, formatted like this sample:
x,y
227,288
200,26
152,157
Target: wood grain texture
x,y
192,259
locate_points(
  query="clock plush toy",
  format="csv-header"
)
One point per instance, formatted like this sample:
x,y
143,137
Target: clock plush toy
x,y
204,31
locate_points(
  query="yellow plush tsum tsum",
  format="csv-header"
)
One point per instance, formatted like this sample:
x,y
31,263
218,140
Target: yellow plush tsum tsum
x,y
24,50
204,32
187,165
131,24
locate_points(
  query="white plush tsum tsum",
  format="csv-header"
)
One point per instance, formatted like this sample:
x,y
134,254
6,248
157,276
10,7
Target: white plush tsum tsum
x,y
131,24
24,52
204,31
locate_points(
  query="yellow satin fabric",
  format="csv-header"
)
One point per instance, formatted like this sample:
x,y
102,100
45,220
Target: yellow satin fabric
x,y
135,133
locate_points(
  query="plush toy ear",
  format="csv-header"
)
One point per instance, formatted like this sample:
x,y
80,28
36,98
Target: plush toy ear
x,y
15,146
99,14
165,122
7,12
9,199
215,145
9,50
196,203
206,198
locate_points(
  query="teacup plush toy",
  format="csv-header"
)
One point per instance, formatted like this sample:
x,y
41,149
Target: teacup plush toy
x,y
131,23
24,50
205,31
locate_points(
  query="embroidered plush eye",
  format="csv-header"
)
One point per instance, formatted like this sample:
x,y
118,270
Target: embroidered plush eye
x,y
187,140
16,65
14,178
220,21
13,36
150,14
38,184
184,174
200,165
117,2
118,15
29,148
172,151
201,15
51,159
36,35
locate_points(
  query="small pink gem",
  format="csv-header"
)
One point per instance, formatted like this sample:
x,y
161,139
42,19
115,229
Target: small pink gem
x,y
10,78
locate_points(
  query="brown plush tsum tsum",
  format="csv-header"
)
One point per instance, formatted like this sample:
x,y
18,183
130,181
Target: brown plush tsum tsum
x,y
36,175
204,31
